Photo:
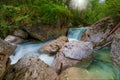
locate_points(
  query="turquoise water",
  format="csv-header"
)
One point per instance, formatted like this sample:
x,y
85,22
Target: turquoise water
x,y
76,33
102,67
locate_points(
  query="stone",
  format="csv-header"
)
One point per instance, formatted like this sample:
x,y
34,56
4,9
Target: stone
x,y
30,67
6,50
77,73
115,48
45,32
54,46
13,39
73,53
98,31
21,34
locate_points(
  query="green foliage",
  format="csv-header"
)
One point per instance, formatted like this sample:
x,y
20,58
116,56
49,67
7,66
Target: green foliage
x,y
50,13
15,14
6,13
96,11
113,7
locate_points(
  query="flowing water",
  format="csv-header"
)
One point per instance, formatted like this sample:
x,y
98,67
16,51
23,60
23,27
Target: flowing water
x,y
102,66
76,33
30,48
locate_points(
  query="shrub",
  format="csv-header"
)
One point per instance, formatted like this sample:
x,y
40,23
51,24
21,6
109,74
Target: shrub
x,y
96,11
50,13
27,13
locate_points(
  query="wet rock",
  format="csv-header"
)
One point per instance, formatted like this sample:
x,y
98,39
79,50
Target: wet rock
x,y
98,30
54,46
3,65
21,34
31,68
115,48
73,53
6,50
76,73
45,32
13,39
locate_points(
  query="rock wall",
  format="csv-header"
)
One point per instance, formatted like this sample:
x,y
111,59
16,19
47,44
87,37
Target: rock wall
x,y
115,48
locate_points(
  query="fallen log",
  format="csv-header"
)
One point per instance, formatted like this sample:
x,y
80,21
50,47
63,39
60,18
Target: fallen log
x,y
107,44
111,32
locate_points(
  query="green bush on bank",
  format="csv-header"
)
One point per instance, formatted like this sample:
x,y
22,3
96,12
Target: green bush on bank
x,y
50,13
14,16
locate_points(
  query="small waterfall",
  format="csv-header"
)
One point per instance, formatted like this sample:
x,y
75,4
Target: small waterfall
x,y
76,33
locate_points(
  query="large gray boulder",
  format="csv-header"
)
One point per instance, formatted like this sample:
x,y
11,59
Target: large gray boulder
x,y
73,53
115,48
30,68
45,32
98,30
54,46
6,50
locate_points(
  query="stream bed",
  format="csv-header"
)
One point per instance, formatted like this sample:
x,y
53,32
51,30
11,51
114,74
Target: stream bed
x,y
102,66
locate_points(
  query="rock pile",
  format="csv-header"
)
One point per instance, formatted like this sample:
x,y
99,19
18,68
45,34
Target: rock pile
x,y
73,53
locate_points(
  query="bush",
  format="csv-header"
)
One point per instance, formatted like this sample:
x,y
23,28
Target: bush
x,y
96,11
51,13
27,13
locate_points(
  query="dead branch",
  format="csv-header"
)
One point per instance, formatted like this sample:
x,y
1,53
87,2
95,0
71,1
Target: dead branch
x,y
111,32
107,44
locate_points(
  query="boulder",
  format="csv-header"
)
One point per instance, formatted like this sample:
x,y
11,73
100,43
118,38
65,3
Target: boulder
x,y
115,48
3,65
13,39
45,32
6,50
21,34
98,30
73,53
77,73
30,68
54,46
